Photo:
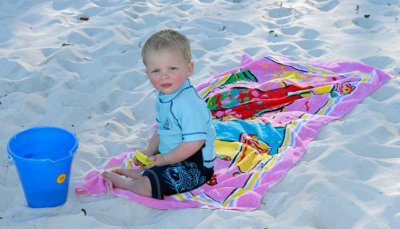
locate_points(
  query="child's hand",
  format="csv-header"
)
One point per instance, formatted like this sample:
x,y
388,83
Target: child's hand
x,y
157,160
141,159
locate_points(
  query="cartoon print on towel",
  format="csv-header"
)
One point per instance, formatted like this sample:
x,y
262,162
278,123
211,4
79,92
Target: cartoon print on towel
x,y
243,102
250,130
247,144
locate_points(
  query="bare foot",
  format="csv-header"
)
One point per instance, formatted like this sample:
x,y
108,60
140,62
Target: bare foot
x,y
132,173
133,182
119,181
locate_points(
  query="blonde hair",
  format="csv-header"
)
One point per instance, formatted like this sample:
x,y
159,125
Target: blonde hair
x,y
167,38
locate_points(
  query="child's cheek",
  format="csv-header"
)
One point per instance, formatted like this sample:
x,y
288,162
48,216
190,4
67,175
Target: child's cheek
x,y
154,82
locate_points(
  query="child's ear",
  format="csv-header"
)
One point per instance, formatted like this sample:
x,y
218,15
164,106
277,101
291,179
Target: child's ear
x,y
190,68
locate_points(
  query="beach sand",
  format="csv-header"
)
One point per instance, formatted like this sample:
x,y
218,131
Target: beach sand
x,y
76,64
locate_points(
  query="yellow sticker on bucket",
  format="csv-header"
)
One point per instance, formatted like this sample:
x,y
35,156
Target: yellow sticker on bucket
x,y
61,178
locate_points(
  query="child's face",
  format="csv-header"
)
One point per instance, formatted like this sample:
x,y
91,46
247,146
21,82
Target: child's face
x,y
167,69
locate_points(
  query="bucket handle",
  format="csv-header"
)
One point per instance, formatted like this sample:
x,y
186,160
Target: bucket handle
x,y
10,160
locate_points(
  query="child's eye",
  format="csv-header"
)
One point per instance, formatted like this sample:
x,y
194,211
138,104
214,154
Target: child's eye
x,y
155,71
173,68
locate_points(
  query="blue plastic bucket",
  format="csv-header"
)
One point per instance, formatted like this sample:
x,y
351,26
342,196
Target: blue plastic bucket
x,y
43,158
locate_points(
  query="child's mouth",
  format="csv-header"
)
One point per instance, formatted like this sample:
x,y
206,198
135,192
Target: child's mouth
x,y
166,85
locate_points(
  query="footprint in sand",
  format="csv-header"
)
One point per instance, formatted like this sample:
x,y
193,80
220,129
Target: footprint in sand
x,y
383,95
324,5
35,82
366,22
309,44
306,39
7,87
239,28
309,33
214,44
292,30
280,12
27,81
381,62
185,7
124,80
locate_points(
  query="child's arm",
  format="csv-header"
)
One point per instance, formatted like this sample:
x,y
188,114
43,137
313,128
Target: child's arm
x,y
153,144
180,153
150,150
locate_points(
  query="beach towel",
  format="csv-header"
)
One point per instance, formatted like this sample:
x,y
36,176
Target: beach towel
x,y
265,113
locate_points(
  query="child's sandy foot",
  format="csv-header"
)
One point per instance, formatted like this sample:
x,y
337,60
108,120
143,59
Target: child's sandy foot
x,y
132,173
118,181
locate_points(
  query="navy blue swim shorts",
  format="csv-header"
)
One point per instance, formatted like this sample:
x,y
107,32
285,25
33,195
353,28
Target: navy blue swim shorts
x,y
178,178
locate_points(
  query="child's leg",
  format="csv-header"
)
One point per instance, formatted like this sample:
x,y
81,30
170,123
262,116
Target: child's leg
x,y
177,178
132,173
134,182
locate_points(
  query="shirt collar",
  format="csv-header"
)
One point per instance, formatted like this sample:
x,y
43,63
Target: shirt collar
x,y
168,97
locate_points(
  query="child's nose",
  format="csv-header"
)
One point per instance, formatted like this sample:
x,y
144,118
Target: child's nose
x,y
165,74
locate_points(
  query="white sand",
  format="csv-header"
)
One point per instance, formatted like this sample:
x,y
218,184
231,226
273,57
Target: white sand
x,y
95,86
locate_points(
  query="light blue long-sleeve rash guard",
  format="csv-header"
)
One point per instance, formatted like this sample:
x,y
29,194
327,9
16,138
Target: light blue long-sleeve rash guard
x,y
184,117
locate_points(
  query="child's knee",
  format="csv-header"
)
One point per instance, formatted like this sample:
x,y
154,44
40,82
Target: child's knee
x,y
144,186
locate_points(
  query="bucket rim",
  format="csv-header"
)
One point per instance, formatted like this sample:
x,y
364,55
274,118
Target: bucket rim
x,y
71,152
